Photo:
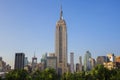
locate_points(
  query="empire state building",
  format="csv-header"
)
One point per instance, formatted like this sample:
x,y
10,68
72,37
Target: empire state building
x,y
61,44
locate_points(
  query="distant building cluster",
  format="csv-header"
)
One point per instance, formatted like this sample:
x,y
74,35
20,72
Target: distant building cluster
x,y
113,62
3,66
50,61
110,61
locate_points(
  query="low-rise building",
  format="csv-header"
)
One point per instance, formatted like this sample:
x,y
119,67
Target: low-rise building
x,y
101,59
117,59
111,57
51,62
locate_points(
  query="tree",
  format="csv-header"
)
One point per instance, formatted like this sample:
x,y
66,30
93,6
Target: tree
x,y
37,75
50,74
67,76
47,74
17,75
115,74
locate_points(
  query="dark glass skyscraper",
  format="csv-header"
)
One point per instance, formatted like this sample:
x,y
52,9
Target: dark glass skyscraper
x,y
19,60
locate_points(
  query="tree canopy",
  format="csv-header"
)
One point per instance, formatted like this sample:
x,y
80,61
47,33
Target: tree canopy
x,y
98,73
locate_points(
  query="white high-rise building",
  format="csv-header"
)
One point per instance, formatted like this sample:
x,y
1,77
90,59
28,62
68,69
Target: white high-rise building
x,y
86,61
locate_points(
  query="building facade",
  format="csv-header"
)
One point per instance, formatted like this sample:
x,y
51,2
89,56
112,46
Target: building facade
x,y
26,61
117,59
34,63
102,59
52,62
92,63
111,57
19,61
80,60
43,61
72,62
77,67
61,44
52,54
86,61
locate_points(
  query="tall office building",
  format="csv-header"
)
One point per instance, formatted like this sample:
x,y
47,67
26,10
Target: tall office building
x,y
86,61
43,61
72,62
92,63
19,60
80,60
61,44
26,61
77,67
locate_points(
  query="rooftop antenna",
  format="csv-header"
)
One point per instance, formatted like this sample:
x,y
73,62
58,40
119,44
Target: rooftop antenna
x,y
61,12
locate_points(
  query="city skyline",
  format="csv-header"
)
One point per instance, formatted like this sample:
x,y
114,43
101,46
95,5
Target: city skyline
x,y
25,25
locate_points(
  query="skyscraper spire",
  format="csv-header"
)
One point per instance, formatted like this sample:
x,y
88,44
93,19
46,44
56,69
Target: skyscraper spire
x,y
61,13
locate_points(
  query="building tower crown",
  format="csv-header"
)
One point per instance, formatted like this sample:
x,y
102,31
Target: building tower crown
x,y
61,21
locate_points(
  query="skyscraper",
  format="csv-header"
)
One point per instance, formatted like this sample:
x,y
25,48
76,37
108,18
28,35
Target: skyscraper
x,y
61,44
72,62
86,60
80,60
43,61
19,60
92,63
26,62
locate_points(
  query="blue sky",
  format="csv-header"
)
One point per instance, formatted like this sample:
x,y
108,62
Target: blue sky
x,y
29,26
